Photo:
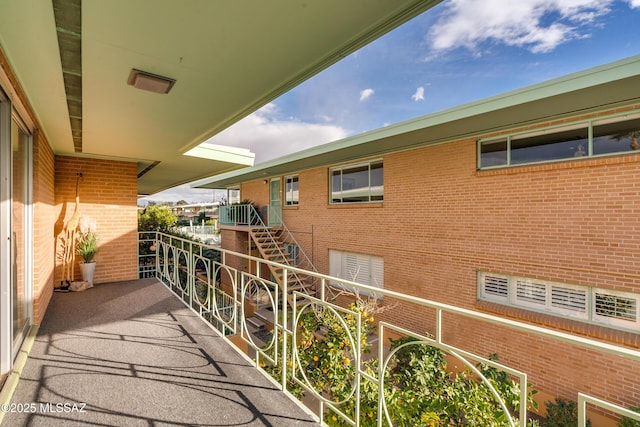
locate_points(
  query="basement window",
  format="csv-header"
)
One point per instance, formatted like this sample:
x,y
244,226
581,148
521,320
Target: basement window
x,y
360,268
589,304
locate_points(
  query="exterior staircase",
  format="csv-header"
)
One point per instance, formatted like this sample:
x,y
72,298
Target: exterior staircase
x,y
269,243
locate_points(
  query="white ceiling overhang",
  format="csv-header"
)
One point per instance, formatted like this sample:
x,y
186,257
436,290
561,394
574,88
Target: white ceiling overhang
x,y
228,58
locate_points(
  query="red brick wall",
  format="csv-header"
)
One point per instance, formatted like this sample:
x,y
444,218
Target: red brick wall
x,y
108,195
259,191
442,221
44,218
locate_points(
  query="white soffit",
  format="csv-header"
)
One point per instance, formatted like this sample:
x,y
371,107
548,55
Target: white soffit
x,y
240,156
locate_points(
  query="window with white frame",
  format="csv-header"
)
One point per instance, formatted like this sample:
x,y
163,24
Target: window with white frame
x,y
360,268
233,195
602,136
291,192
357,183
590,304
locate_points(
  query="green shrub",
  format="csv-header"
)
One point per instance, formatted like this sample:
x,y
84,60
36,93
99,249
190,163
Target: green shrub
x,y
419,389
562,413
156,218
628,422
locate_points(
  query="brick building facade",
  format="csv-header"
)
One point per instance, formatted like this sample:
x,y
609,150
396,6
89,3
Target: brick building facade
x,y
547,241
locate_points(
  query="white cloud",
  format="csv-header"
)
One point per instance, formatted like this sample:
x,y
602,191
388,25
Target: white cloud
x,y
269,137
419,95
634,3
264,134
366,94
522,23
182,192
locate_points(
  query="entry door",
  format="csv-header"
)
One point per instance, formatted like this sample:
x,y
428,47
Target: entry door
x,y
275,204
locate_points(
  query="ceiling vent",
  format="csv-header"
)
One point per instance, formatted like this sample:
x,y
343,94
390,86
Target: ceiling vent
x,y
151,82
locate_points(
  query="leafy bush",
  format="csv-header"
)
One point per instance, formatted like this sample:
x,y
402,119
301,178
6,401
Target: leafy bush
x,y
422,391
628,422
562,413
419,389
156,218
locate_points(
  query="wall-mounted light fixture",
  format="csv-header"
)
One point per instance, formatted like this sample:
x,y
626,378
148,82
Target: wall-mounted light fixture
x,y
151,82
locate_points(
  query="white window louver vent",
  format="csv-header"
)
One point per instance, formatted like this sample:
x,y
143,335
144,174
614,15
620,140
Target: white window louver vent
x,y
590,304
616,307
496,286
569,299
529,292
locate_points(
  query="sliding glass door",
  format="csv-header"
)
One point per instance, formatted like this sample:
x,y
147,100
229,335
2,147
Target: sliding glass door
x,y
20,286
6,315
16,296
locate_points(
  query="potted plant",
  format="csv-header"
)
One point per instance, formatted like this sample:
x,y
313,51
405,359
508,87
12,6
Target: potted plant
x,y
87,248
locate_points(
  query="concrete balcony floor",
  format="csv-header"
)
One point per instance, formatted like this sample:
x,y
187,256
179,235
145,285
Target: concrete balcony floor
x,y
137,356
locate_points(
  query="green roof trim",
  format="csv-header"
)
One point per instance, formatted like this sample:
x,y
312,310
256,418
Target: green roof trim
x,y
605,86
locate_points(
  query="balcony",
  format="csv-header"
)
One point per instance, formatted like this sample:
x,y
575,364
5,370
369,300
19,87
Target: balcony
x,y
201,340
246,215
131,353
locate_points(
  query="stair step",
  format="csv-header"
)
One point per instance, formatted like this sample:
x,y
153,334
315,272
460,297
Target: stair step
x,y
264,315
255,322
275,257
272,249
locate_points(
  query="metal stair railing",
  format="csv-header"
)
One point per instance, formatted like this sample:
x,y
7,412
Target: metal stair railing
x,y
306,264
257,222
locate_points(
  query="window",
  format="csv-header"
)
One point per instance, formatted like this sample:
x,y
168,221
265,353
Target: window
x,y
610,135
233,195
493,153
293,251
615,137
291,190
593,305
359,183
360,268
561,144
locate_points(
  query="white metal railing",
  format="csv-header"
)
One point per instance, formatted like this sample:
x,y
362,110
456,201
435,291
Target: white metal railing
x,y
199,229
244,214
209,234
583,399
146,255
198,274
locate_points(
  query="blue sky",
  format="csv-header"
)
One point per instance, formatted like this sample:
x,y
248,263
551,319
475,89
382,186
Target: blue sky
x,y
458,52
